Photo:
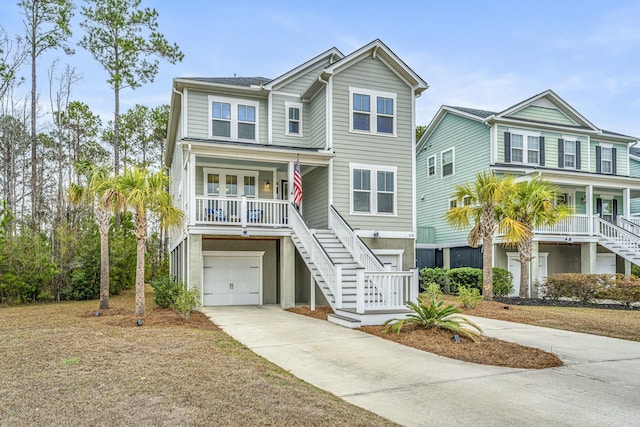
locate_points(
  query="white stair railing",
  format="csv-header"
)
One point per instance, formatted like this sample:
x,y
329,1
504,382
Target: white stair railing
x,y
386,290
352,242
628,225
616,234
330,273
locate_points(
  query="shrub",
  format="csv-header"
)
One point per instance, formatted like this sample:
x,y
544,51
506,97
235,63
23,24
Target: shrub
x,y
580,287
166,291
465,276
435,315
621,288
434,275
469,297
187,300
502,282
433,291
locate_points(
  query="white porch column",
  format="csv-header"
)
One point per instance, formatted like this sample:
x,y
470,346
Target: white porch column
x,y
589,207
287,273
446,258
533,269
626,202
588,253
627,267
191,184
195,263
313,291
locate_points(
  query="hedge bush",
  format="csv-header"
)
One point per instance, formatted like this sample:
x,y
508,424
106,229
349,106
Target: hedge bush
x,y
434,275
588,287
502,282
465,276
166,291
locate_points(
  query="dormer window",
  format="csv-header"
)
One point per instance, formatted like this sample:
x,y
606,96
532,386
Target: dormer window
x,y
233,119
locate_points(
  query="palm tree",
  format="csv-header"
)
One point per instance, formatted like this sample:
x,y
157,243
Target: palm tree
x,y
532,205
144,193
96,194
478,203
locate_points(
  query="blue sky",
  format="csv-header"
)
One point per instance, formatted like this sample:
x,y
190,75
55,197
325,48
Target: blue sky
x,y
487,55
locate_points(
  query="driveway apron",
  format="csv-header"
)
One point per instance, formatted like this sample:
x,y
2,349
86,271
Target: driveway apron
x,y
599,384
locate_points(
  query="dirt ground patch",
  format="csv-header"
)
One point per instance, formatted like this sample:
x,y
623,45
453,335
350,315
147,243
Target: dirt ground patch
x,y
62,365
486,351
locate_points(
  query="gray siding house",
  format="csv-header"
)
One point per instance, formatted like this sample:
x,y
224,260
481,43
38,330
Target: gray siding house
x,y
233,147
597,171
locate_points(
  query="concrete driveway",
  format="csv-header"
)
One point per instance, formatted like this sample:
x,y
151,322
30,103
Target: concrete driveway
x,y
598,386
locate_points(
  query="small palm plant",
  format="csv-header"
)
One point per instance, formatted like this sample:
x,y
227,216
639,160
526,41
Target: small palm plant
x,y
435,315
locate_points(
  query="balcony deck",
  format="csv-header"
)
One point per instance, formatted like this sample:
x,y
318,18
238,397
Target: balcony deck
x,y
240,212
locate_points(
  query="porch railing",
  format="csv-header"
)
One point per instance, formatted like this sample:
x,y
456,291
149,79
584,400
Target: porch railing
x,y
386,290
630,224
360,252
241,211
573,224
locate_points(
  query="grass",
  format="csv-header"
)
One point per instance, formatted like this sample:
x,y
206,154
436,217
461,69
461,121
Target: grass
x,y
62,365
624,324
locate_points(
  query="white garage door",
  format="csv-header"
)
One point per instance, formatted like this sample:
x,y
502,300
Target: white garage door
x,y
234,278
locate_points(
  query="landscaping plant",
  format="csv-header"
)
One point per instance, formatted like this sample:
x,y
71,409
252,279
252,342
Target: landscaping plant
x,y
502,282
469,297
433,291
435,315
187,301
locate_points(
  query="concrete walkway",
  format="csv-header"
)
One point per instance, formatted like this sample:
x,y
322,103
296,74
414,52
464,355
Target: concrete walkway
x,y
599,386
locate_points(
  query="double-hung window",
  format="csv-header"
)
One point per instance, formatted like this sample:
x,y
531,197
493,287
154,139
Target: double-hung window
x,y
447,158
293,115
233,118
569,154
431,166
606,159
524,147
372,111
373,189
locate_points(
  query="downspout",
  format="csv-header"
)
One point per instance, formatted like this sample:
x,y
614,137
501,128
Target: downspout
x,y
182,109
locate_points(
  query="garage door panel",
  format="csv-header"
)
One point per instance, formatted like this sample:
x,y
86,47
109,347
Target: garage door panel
x,y
231,280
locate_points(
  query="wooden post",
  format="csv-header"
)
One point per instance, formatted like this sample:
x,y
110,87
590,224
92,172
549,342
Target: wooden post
x,y
313,292
360,303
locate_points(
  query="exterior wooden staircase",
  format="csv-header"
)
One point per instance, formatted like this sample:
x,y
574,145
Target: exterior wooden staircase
x,y
621,238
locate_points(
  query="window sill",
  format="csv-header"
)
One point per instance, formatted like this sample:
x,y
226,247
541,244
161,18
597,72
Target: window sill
x,y
368,133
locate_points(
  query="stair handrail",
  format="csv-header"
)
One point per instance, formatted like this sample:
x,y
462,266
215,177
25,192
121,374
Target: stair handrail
x,y
616,233
317,254
629,225
354,244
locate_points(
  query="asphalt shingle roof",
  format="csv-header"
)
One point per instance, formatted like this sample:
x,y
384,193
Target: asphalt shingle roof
x,y
480,113
232,81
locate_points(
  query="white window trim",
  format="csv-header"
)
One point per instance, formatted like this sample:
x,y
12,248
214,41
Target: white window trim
x,y
575,154
602,148
241,174
234,117
374,169
525,145
373,113
288,105
435,166
452,203
453,162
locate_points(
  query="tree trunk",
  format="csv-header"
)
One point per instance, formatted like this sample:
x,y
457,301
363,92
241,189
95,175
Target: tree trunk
x,y
116,148
524,249
141,239
103,217
487,268
34,152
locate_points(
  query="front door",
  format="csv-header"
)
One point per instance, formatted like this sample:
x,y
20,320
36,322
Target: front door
x,y
514,268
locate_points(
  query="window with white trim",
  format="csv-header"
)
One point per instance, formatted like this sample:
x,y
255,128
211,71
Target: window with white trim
x,y
447,158
431,166
373,189
372,111
525,148
233,118
293,115
569,154
606,159
453,203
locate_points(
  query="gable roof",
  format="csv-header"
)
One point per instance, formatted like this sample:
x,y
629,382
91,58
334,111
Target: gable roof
x,y
635,151
474,111
289,75
551,97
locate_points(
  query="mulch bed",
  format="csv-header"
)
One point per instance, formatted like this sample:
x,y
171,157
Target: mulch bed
x,y
563,303
155,317
486,351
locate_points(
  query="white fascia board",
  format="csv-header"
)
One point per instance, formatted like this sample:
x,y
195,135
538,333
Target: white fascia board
x,y
290,75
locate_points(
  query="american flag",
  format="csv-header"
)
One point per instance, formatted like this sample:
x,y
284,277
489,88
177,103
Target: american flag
x,y
297,185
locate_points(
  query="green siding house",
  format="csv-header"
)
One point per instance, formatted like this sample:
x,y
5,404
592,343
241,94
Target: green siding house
x,y
343,125
597,171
